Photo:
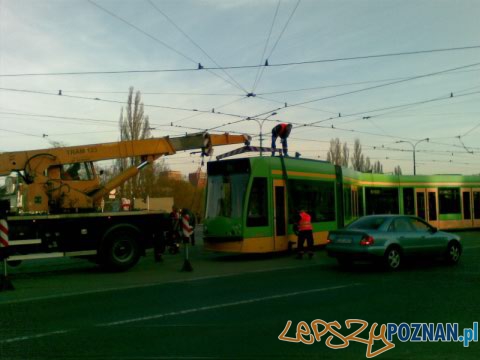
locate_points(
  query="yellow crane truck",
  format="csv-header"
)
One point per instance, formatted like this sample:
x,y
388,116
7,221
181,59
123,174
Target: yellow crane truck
x,y
51,206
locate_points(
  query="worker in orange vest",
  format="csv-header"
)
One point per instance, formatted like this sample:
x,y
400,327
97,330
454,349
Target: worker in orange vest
x,y
305,232
283,131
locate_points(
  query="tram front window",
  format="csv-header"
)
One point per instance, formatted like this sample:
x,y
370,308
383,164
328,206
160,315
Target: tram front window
x,y
225,195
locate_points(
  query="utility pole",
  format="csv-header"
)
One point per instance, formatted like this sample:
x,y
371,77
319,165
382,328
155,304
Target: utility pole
x,y
414,145
260,124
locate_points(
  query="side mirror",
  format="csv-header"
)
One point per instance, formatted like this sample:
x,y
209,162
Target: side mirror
x,y
434,230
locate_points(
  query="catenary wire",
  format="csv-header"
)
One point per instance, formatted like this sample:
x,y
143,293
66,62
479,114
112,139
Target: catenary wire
x,y
262,58
243,66
159,41
196,44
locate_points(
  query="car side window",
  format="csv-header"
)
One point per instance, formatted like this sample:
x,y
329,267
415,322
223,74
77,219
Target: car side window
x,y
400,225
420,225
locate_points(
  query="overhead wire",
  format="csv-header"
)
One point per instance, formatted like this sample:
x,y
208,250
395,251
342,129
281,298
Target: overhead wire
x,y
364,89
315,123
195,44
21,133
201,129
141,31
214,109
258,95
160,42
117,101
351,84
262,58
64,91
244,118
372,88
400,107
105,122
284,28
243,66
301,106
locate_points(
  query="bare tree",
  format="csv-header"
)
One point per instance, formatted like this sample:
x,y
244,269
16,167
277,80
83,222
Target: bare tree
x,y
397,170
134,125
358,160
377,168
345,154
367,167
337,154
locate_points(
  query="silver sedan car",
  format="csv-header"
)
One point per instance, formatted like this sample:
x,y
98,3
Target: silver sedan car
x,y
389,239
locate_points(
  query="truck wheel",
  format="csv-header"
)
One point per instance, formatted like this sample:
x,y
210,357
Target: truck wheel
x,y
121,251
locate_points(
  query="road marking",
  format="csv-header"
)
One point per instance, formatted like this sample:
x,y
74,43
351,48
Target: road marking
x,y
36,336
130,287
219,306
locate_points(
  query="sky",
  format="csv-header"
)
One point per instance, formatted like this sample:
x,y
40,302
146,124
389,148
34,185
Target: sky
x,y
324,74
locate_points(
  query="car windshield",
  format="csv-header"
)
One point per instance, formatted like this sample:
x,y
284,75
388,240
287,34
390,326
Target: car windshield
x,y
367,223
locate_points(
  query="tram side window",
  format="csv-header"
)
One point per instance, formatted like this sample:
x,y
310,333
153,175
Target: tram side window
x,y
381,200
347,202
476,205
467,215
257,214
316,197
360,202
449,200
408,201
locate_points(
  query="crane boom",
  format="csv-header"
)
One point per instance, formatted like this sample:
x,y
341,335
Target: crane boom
x,y
23,160
47,186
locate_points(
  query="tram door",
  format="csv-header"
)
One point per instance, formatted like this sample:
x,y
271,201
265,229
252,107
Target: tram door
x,y
427,205
467,207
355,206
476,207
280,215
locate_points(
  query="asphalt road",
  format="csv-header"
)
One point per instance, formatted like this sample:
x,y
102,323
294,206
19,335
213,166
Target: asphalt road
x,y
231,307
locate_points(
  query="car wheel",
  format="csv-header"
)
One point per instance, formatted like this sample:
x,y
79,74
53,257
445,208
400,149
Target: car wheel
x,y
392,258
453,253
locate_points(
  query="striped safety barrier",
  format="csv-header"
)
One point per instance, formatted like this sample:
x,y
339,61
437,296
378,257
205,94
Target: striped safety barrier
x,y
186,228
3,233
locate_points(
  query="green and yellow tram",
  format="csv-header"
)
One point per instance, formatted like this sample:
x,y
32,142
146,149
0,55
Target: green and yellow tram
x,y
251,202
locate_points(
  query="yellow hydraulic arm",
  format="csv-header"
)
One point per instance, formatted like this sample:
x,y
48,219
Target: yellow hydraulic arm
x,y
45,186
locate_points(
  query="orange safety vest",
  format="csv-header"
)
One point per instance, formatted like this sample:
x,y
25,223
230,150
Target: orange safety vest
x,y
305,222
